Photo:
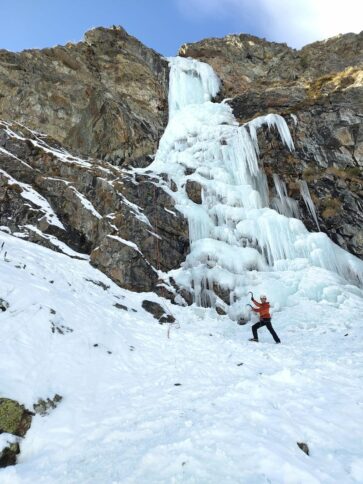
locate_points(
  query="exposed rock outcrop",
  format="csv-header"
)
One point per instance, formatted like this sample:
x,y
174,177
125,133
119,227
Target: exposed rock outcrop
x,y
15,419
8,454
126,223
43,407
245,62
158,312
194,191
104,97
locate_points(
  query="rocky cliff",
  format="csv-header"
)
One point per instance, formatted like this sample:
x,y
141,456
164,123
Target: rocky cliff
x,y
127,224
104,97
101,105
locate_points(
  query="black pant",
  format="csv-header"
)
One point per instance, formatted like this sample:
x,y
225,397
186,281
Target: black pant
x,y
267,323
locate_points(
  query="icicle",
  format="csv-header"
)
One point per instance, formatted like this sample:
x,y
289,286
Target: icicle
x,y
284,204
272,120
294,118
305,193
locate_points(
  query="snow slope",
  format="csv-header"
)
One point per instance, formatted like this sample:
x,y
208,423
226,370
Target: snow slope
x,y
239,410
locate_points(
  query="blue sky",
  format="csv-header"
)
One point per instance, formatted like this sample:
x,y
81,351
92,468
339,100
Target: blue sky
x,y
166,24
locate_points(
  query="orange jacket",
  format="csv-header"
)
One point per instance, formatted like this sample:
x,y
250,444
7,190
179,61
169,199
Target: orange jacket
x,y
263,309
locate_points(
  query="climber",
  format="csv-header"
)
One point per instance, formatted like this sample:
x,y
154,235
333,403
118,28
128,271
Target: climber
x,y
263,309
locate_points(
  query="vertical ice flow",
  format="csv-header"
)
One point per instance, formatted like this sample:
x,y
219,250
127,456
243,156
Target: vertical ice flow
x,y
234,232
283,203
191,82
305,193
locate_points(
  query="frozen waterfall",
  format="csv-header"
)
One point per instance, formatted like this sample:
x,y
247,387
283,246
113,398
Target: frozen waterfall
x,y
234,232
191,82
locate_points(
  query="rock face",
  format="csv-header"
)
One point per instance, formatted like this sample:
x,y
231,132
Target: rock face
x,y
244,62
126,223
319,91
104,97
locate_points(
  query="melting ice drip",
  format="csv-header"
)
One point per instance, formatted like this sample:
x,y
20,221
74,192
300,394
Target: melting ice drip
x,y
233,232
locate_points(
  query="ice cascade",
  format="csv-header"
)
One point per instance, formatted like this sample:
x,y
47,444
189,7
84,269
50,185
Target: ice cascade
x,y
191,82
234,233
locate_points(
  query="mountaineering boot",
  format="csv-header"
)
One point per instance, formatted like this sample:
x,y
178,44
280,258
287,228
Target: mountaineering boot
x,y
253,339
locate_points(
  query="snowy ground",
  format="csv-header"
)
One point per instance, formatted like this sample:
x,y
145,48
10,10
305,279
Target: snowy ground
x,y
239,409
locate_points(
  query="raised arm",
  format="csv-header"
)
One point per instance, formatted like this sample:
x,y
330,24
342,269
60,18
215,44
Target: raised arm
x,y
256,302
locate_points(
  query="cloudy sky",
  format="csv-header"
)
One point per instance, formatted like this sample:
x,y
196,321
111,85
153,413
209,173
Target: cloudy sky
x,y
166,24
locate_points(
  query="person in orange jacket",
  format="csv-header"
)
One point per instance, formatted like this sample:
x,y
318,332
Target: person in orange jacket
x,y
263,309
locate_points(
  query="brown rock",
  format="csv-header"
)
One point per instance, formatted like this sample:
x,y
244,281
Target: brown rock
x,y
124,264
8,455
14,418
104,97
194,191
245,62
304,447
157,311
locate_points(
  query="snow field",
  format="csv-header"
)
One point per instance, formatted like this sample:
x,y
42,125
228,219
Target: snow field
x,y
122,418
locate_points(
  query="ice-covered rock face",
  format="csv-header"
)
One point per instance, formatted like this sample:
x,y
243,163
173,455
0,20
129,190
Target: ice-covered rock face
x,y
234,232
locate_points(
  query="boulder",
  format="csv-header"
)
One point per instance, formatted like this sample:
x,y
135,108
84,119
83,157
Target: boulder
x,y
157,311
14,418
194,191
304,447
4,305
8,455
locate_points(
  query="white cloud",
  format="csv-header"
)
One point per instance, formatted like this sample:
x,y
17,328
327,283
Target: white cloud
x,y
296,22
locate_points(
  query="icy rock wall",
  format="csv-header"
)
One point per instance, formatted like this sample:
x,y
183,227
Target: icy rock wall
x,y
234,232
